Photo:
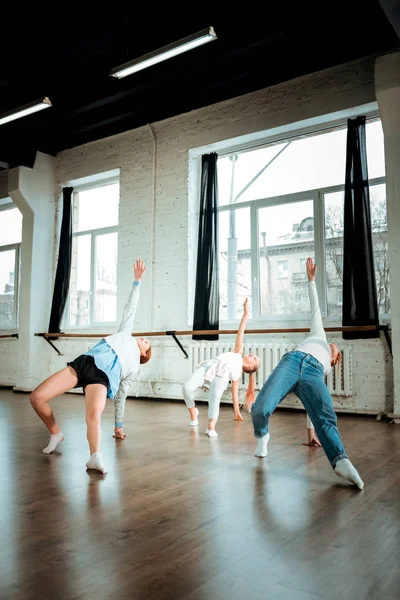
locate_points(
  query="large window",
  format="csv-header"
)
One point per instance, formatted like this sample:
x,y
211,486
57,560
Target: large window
x,y
10,243
93,285
282,203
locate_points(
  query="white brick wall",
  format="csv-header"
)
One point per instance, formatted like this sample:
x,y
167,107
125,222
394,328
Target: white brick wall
x,y
8,361
166,298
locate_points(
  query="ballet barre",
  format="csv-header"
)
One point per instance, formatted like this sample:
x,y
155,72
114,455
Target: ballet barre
x,y
49,336
8,335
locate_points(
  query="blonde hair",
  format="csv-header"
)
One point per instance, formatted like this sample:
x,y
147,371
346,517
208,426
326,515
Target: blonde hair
x,y
250,392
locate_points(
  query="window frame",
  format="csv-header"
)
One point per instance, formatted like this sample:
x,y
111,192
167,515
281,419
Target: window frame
x,y
94,233
317,196
17,265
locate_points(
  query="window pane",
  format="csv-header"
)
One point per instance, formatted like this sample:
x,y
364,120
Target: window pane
x,y
106,277
80,281
10,226
234,263
379,240
286,239
97,207
313,162
375,150
7,276
334,205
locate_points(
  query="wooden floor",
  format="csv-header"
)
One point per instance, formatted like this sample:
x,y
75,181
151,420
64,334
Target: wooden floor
x,y
180,516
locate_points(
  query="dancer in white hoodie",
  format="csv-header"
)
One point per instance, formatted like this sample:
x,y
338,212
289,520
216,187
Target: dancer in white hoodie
x,y
105,371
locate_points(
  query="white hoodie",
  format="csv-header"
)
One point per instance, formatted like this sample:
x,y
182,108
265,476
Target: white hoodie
x,y
126,348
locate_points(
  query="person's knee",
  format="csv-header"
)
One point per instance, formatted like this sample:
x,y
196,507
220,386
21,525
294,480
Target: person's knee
x,y
188,393
93,416
260,410
36,399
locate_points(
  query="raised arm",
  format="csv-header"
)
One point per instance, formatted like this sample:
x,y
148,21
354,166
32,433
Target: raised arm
x,y
240,334
316,327
128,318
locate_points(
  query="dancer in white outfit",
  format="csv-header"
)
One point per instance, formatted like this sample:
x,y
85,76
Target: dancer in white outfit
x,y
216,374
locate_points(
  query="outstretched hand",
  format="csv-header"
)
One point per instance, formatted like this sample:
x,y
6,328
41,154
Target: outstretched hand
x,y
312,439
311,269
246,307
139,269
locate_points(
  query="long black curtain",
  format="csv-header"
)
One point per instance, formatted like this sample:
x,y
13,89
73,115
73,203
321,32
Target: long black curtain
x,y
206,305
360,305
61,284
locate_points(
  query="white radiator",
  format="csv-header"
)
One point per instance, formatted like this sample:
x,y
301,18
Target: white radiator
x,y
339,380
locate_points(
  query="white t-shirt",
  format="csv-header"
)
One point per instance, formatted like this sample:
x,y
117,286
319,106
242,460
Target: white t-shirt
x,y
234,362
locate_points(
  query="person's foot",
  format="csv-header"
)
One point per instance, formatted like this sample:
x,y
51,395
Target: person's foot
x,y
211,433
262,447
96,463
55,439
345,469
194,421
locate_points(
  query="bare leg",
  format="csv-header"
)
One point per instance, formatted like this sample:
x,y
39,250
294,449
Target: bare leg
x,y
212,423
216,390
193,413
57,384
96,395
188,389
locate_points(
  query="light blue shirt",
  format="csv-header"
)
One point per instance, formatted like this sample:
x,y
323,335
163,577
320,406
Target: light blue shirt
x,y
107,361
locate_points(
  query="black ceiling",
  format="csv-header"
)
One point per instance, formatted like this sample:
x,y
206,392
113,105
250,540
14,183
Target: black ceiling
x,y
69,60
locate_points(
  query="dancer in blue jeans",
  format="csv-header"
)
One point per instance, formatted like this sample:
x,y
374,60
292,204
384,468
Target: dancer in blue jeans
x,y
302,371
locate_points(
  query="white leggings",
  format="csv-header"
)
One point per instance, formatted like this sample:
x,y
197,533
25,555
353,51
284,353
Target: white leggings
x,y
217,388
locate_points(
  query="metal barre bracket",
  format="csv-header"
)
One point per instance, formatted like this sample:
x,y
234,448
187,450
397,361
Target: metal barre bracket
x,y
44,336
172,334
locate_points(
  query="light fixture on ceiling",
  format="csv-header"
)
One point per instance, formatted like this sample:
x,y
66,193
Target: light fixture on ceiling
x,y
157,56
23,111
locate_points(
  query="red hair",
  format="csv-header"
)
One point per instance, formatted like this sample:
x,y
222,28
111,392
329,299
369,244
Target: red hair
x,y
144,358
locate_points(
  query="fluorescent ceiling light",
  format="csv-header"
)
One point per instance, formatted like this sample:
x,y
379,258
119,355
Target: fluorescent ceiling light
x,y
157,56
25,110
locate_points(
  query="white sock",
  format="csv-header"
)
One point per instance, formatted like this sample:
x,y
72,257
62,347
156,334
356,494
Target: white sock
x,y
211,433
262,446
345,469
95,462
194,422
55,439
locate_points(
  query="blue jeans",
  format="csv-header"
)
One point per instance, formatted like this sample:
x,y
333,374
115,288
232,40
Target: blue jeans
x,y
304,375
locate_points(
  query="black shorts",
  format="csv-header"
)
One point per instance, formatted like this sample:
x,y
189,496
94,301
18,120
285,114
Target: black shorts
x,y
87,372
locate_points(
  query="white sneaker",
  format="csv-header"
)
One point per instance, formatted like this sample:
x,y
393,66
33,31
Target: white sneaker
x,y
262,446
194,422
211,433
